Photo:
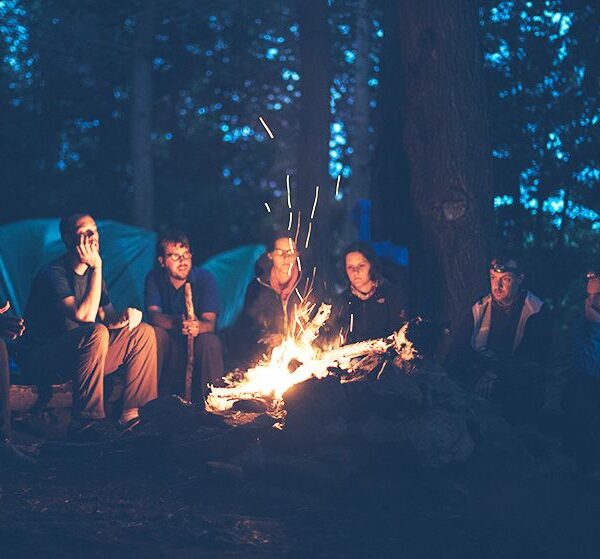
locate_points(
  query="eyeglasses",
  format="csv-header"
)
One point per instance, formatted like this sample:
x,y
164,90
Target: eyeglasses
x,y
285,253
173,257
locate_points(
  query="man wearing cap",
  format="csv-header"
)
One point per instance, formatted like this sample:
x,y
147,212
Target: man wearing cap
x,y
582,397
504,344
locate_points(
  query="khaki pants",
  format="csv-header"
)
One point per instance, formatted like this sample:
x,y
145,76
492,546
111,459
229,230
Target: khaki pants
x,y
86,354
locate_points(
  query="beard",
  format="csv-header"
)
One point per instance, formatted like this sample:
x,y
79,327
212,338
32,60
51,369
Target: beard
x,y
180,274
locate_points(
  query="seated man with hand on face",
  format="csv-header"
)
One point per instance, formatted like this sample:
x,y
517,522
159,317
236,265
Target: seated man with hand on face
x,y
504,344
73,332
166,309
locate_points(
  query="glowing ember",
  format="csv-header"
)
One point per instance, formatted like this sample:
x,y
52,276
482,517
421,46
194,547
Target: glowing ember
x,y
262,121
290,222
289,194
299,296
308,234
312,214
268,207
298,227
337,186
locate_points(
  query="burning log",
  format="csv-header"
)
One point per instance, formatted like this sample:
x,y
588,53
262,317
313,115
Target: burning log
x,y
272,377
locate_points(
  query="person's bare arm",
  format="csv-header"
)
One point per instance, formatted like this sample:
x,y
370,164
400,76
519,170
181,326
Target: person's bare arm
x,y
158,318
87,310
11,327
206,322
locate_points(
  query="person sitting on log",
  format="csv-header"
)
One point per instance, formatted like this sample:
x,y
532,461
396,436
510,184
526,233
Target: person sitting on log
x,y
503,345
267,316
11,328
73,332
582,397
371,306
166,309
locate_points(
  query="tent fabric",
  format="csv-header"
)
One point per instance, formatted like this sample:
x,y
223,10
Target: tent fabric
x,y
128,254
234,270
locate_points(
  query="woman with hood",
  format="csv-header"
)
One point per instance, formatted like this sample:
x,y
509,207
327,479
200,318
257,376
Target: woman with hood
x,y
272,298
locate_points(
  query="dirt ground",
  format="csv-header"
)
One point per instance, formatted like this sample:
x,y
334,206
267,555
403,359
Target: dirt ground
x,y
112,502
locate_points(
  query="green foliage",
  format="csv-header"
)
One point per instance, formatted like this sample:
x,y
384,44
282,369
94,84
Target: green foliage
x,y
65,95
544,103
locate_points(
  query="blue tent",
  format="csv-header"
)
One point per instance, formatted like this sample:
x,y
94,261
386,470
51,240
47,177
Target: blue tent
x,y
128,253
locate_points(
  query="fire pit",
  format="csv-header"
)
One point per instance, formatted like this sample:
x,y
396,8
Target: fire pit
x,y
297,359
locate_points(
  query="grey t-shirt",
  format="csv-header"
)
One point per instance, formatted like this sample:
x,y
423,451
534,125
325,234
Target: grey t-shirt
x,y
55,281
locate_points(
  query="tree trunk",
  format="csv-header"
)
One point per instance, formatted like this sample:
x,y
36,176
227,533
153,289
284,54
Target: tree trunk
x,y
390,195
446,141
141,118
313,156
360,181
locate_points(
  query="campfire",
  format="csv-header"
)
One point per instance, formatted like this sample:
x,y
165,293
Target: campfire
x,y
297,359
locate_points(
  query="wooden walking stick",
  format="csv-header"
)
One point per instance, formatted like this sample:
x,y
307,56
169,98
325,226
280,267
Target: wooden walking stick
x,y
189,368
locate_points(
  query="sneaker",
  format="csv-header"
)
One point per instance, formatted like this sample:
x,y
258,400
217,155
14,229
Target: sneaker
x,y
12,456
127,427
89,431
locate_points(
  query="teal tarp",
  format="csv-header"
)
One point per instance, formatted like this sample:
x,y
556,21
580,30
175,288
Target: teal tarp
x,y
128,254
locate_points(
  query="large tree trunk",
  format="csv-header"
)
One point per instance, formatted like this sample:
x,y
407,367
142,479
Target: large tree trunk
x,y
313,155
446,141
141,118
390,194
360,180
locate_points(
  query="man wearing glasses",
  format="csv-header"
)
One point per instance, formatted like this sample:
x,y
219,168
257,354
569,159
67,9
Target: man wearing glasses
x,y
582,397
503,346
73,332
166,310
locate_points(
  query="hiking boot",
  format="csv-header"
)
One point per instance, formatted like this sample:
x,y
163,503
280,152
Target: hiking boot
x,y
10,455
89,431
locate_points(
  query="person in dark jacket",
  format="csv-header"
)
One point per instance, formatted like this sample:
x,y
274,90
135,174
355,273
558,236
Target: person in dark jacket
x,y
11,328
271,300
582,397
371,307
502,347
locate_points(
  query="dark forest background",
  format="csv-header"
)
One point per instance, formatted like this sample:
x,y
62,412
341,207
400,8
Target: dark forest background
x,y
456,127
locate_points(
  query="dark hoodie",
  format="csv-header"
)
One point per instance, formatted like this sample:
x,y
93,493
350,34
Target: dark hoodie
x,y
263,313
376,317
